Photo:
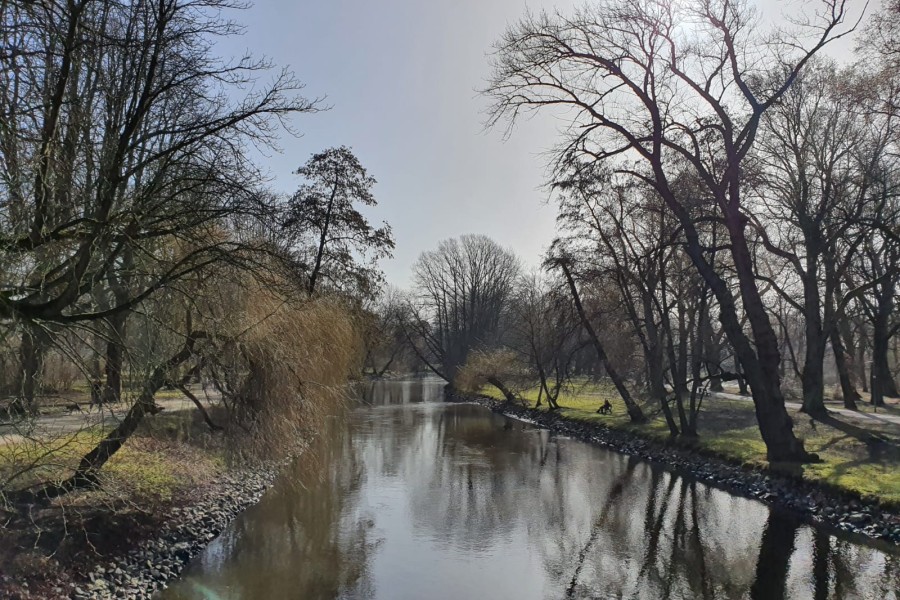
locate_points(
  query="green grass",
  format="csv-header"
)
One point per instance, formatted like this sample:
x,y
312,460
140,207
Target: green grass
x,y
169,452
861,457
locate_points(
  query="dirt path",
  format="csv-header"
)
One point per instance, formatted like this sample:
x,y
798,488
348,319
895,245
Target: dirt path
x,y
57,425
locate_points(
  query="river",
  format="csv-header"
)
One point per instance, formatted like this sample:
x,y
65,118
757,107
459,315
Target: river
x,y
406,497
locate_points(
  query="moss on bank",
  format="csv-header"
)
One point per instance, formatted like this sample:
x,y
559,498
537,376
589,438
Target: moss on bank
x,y
862,457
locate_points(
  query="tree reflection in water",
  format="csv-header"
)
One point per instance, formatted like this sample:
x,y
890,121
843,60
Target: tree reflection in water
x,y
412,500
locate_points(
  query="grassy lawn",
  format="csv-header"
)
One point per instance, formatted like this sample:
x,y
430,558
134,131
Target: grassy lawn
x,y
169,452
863,457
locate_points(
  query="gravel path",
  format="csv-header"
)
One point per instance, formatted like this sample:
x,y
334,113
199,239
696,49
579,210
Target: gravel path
x,y
53,426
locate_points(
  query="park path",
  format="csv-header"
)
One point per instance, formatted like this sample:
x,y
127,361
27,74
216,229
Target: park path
x,y
865,417
54,426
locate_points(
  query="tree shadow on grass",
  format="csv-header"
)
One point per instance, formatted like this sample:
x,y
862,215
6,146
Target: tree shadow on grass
x,y
880,447
717,419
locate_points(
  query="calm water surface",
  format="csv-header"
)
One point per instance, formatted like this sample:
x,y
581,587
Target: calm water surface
x,y
409,498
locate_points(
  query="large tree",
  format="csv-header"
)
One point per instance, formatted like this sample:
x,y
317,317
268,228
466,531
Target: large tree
x,y
122,133
332,238
816,167
547,333
654,87
463,290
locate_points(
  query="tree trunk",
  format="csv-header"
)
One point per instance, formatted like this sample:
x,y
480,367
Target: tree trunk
x,y
635,414
761,358
115,345
507,393
699,355
89,467
323,239
813,375
663,400
31,358
881,370
760,364
860,361
742,383
656,366
849,393
387,365
711,351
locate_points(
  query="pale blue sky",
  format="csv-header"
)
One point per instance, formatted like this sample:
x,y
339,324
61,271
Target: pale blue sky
x,y
401,77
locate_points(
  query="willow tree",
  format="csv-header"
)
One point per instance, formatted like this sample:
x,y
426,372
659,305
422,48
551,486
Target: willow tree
x,y
125,170
123,157
652,87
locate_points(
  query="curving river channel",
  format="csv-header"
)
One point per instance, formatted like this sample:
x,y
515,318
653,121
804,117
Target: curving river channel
x,y
411,498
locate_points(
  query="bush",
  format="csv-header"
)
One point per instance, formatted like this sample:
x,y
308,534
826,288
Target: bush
x,y
500,368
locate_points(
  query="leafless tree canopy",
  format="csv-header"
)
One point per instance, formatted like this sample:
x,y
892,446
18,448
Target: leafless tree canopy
x,y
123,150
139,243
462,288
765,163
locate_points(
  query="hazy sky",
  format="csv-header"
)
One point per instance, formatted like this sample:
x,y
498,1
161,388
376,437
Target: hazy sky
x,y
401,77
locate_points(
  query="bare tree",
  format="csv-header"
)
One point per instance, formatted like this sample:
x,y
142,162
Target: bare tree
x,y
125,178
816,170
547,332
385,339
122,135
463,290
881,267
560,259
656,87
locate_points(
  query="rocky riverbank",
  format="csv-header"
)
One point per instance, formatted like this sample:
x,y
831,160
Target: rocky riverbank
x,y
147,568
149,561
813,502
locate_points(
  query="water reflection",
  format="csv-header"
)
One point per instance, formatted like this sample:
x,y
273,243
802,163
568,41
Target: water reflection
x,y
412,499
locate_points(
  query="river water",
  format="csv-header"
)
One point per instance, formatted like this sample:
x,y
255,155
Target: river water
x,y
406,497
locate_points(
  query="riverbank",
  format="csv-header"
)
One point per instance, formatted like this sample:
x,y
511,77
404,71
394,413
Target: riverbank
x,y
164,497
816,502
148,566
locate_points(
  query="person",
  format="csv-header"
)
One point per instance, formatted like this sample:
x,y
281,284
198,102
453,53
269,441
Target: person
x,y
605,409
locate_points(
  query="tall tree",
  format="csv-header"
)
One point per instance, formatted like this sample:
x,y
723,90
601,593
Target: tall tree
x,y
127,133
562,261
331,235
815,180
547,332
463,291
